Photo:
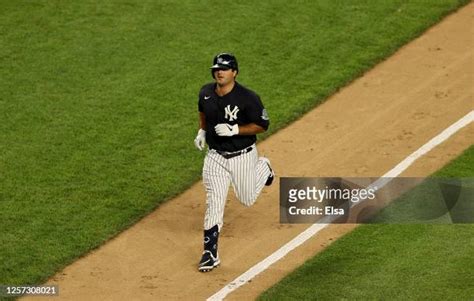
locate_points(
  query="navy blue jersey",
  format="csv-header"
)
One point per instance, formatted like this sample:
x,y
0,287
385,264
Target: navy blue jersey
x,y
240,106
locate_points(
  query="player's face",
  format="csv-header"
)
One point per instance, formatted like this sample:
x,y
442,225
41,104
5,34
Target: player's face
x,y
224,77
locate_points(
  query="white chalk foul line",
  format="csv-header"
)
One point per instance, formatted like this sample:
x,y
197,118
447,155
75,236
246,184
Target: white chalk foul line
x,y
315,228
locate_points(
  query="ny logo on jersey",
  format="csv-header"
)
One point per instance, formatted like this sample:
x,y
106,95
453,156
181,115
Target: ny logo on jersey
x,y
231,115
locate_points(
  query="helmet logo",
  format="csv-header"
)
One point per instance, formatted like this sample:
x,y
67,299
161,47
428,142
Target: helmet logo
x,y
221,61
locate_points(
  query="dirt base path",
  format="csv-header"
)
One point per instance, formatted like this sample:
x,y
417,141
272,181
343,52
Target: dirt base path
x,y
364,130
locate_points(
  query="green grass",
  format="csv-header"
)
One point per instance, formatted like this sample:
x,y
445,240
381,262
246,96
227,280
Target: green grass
x,y
463,167
434,201
99,101
391,262
437,191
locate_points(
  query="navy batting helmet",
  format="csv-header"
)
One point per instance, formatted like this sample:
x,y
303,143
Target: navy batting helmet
x,y
224,61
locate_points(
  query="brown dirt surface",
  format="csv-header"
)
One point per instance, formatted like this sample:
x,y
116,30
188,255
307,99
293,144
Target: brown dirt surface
x,y
363,130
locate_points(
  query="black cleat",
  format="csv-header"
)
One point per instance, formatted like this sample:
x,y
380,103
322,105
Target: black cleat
x,y
272,173
208,262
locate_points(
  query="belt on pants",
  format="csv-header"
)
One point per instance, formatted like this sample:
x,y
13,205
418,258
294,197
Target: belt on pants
x,y
229,155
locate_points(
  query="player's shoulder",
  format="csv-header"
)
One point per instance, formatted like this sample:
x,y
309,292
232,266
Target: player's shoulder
x,y
246,92
209,87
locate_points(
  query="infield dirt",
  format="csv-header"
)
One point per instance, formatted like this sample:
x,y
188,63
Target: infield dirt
x,y
363,130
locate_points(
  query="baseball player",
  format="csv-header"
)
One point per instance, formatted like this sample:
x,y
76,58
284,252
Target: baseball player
x,y
230,116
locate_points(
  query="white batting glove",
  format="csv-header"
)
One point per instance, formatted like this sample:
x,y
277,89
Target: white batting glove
x,y
224,129
200,140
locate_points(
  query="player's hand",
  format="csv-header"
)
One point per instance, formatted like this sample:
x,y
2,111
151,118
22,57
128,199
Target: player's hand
x,y
224,129
200,140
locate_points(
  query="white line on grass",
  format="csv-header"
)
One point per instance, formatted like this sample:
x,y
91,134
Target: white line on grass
x,y
315,228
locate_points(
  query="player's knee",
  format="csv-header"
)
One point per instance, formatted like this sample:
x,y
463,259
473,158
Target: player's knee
x,y
248,200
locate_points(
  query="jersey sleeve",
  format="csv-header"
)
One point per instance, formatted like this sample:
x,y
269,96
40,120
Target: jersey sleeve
x,y
257,113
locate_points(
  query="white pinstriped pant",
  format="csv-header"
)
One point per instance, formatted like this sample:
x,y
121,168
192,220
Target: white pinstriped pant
x,y
246,172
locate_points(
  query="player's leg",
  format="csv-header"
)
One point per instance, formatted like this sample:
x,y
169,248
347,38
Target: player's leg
x,y
216,179
210,255
249,175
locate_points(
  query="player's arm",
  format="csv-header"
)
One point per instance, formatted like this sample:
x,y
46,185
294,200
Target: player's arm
x,y
200,139
202,121
224,129
250,129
